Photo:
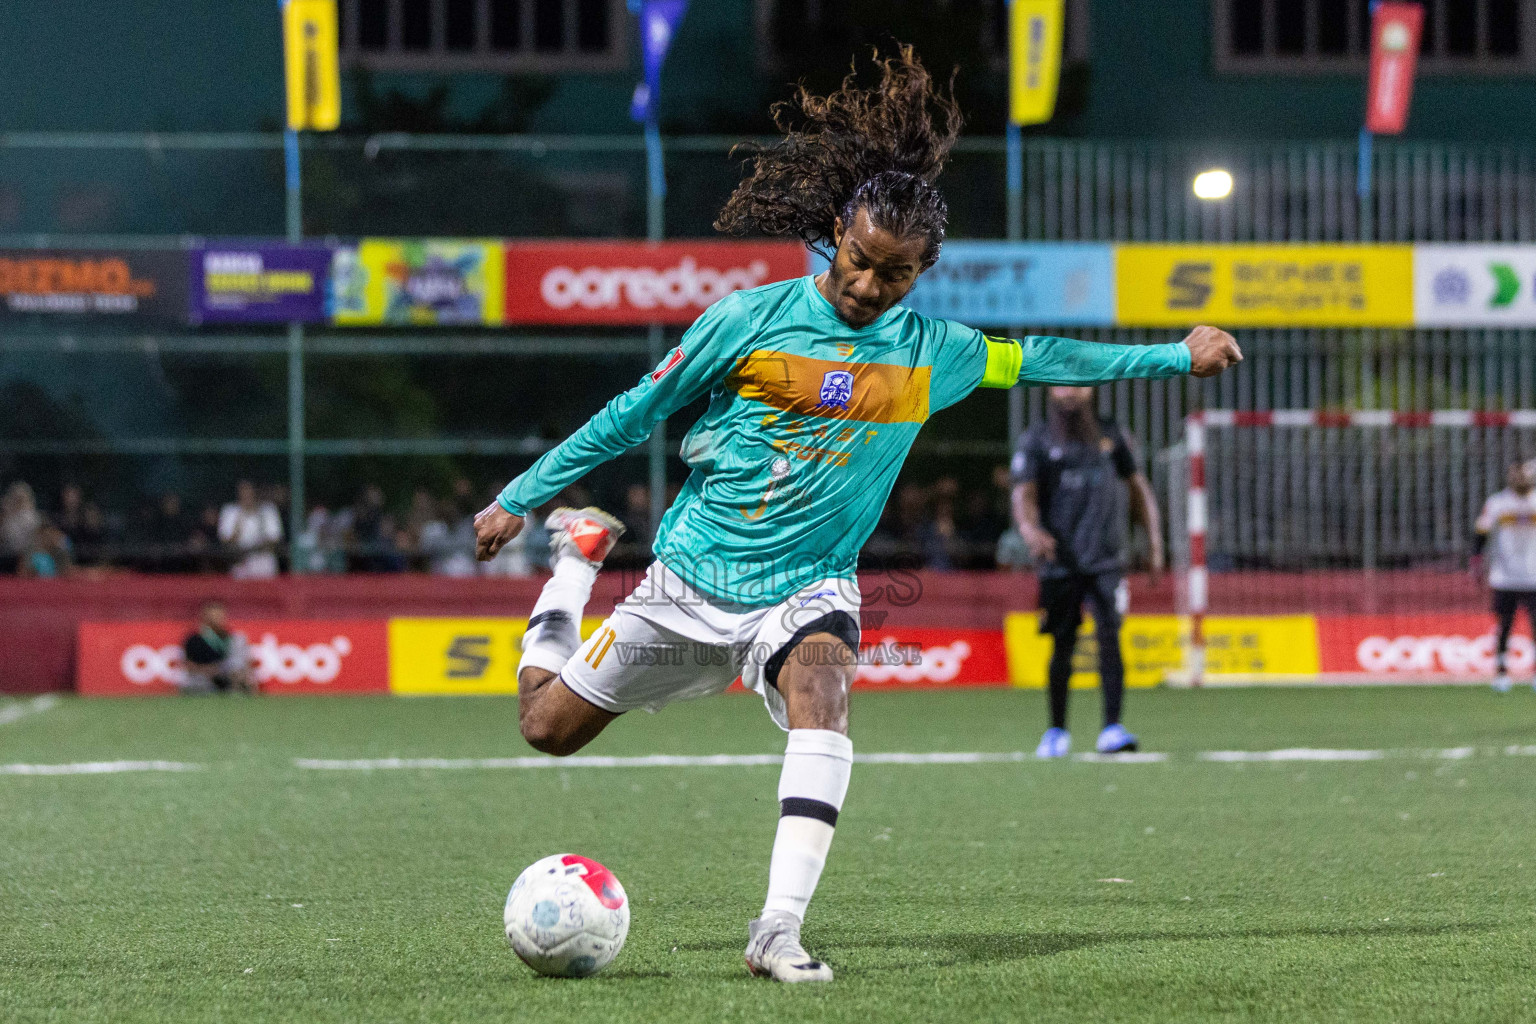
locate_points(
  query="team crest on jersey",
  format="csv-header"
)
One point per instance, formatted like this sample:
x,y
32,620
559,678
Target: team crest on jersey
x,y
836,389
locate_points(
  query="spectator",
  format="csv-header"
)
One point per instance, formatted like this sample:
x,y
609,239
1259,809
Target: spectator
x,y
19,519
637,515
47,557
253,529
204,542
169,533
373,547
323,544
447,541
71,515
216,659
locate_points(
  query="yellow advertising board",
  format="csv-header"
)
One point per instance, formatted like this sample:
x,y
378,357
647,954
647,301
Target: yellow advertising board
x,y
419,282
443,657
1264,285
1153,648
1034,45
312,71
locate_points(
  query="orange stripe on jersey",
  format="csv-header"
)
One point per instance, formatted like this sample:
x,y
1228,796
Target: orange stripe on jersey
x,y
877,393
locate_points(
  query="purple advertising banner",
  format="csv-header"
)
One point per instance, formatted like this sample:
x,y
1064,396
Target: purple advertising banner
x,y
252,282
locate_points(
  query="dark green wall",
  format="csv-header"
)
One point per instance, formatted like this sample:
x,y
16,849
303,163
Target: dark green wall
x,y
173,65
1151,75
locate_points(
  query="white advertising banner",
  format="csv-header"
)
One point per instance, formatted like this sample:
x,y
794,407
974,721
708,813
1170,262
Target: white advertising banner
x,y
1474,285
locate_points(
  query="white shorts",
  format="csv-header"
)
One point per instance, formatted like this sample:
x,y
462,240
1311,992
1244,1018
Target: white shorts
x,y
667,642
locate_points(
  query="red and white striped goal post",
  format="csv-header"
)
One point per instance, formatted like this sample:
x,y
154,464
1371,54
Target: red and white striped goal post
x,y
1197,515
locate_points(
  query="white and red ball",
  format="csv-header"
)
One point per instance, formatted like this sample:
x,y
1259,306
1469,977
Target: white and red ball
x,y
567,916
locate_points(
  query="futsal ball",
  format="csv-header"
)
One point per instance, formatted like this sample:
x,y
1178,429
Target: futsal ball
x,y
567,916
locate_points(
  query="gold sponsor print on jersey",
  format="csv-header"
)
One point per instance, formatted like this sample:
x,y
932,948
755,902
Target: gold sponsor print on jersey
x,y
878,392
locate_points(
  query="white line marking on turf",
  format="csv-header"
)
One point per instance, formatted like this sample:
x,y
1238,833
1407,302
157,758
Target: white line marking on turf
x,y
1147,757
1292,754
97,768
936,757
22,708
695,761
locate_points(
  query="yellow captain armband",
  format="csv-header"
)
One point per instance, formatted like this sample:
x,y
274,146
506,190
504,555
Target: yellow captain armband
x,y
1004,359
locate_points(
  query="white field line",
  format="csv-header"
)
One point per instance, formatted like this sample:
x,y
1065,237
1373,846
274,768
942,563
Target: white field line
x,y
902,758
762,760
97,768
22,708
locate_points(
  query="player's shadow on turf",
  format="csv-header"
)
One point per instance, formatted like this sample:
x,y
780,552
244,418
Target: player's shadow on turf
x,y
955,949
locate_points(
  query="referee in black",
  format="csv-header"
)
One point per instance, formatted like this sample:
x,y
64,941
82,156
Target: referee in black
x,y
1067,505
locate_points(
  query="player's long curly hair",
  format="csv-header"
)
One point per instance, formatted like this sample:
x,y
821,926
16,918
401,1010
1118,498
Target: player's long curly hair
x,y
879,149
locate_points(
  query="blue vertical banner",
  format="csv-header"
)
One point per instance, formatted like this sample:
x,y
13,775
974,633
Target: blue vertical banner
x,y
658,24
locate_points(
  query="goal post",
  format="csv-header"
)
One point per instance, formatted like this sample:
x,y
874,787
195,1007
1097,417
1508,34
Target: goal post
x,y
1331,546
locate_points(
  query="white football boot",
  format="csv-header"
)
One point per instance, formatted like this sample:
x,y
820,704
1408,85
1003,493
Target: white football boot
x,y
588,534
1502,683
774,951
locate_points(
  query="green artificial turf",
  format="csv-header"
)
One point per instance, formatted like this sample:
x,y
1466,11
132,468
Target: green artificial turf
x,y
252,890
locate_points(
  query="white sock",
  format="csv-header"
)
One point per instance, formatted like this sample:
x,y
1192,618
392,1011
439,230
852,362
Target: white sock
x,y
817,763
554,628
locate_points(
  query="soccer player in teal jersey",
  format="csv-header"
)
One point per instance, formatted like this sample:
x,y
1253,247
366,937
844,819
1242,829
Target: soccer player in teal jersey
x,y
817,388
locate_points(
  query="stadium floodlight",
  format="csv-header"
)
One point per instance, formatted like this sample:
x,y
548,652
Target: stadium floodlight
x,y
1213,184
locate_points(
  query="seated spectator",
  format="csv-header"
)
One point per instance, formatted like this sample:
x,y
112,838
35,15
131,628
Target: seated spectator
x,y
48,556
19,520
253,529
216,660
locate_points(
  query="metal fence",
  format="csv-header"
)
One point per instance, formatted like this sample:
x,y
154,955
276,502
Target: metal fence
x,y
61,189
209,184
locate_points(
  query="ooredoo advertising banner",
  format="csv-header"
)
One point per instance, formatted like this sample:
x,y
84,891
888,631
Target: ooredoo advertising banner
x,y
925,657
1407,647
121,285
239,283
633,283
418,282
115,659
997,284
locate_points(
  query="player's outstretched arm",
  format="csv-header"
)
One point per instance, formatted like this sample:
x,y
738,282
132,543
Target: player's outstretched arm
x,y
701,360
1205,352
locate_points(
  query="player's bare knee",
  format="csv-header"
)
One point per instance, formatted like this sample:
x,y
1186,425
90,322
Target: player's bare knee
x,y
548,736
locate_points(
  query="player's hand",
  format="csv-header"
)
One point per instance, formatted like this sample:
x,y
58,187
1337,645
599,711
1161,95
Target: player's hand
x,y
494,528
1211,350
1042,546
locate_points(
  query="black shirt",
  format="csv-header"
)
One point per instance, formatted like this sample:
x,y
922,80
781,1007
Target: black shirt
x,y
1077,483
206,647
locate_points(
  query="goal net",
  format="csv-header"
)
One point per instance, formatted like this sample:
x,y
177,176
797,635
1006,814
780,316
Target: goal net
x,y
1335,546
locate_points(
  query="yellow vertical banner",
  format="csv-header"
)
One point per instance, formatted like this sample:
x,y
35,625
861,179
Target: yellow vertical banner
x,y
312,66
1034,47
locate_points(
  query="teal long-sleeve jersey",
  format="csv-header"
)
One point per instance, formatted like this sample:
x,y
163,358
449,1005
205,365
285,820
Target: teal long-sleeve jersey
x,y
808,424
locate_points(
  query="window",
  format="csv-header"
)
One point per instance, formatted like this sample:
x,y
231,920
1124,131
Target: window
x,y
485,35
1487,37
824,16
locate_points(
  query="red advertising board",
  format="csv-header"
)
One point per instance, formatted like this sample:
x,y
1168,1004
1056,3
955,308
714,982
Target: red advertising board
x,y
1417,646
288,656
1395,31
919,657
589,283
